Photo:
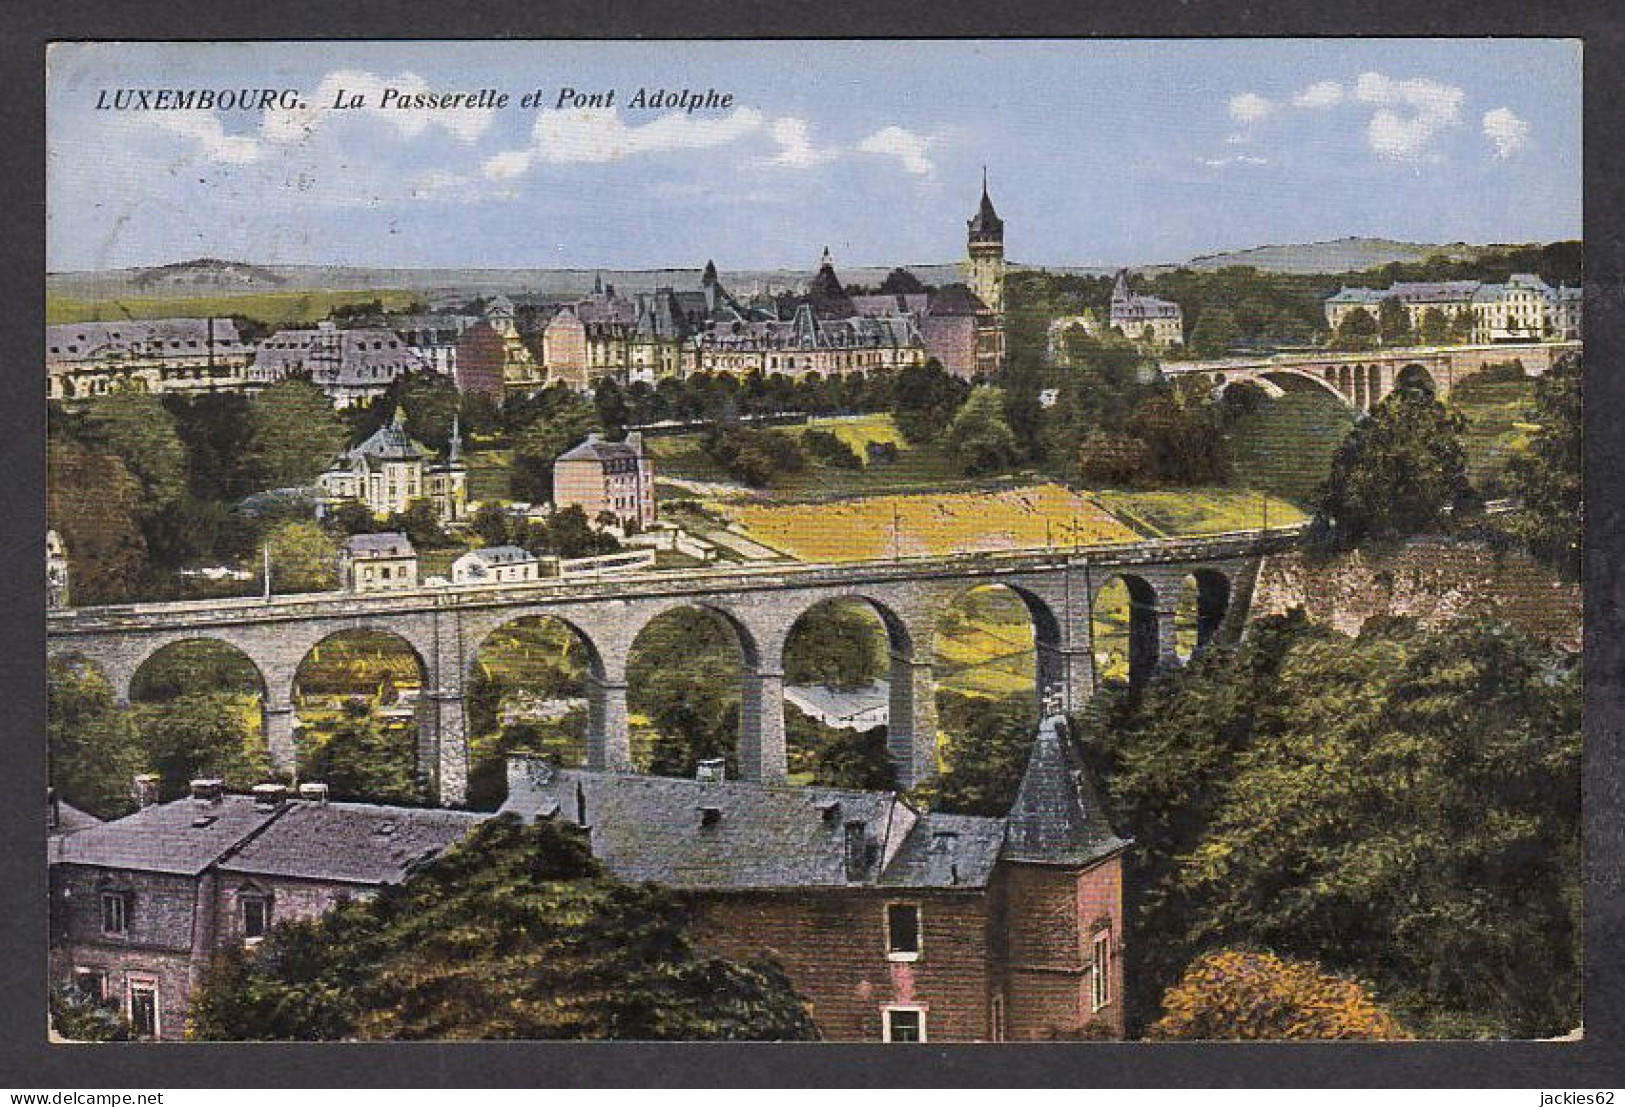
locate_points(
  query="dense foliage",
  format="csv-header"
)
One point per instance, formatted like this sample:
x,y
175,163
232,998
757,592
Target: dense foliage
x,y
1402,807
1547,477
754,456
515,933
1241,995
92,748
1399,472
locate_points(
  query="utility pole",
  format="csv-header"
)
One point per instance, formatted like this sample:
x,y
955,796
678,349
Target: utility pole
x,y
266,574
896,533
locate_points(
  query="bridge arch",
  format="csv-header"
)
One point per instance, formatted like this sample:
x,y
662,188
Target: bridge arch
x,y
1131,627
1204,603
363,697
1416,375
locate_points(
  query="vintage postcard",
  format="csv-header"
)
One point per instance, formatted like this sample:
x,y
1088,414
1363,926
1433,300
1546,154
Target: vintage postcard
x,y
986,541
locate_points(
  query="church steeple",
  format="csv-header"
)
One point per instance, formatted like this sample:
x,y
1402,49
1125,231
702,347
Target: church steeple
x,y
985,226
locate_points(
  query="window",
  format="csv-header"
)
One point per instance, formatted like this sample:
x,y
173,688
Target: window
x,y
997,1029
256,915
904,1024
144,1007
1102,971
115,913
902,931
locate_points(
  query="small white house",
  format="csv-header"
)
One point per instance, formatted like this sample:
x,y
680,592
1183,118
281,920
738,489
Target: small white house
x,y
496,565
378,562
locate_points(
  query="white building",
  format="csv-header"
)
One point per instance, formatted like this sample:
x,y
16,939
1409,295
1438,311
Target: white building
x,y
378,563
387,471
496,565
1524,309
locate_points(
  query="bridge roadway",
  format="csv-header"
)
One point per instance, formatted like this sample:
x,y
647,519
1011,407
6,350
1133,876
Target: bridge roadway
x,y
445,627
1361,380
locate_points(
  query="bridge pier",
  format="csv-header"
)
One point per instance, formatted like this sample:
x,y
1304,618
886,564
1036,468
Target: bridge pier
x,y
279,736
762,753
1066,676
911,721
1167,638
609,738
446,754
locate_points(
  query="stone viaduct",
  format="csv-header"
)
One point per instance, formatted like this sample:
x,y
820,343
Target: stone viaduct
x,y
445,627
1363,380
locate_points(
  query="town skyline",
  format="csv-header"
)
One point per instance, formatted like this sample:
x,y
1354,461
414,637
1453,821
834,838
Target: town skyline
x,y
1121,154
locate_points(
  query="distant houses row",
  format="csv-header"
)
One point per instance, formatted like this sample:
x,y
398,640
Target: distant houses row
x,y
1522,309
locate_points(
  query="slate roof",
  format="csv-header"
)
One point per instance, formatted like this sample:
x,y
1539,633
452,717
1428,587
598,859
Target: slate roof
x,y
1057,818
353,357
834,705
71,820
758,837
69,342
351,843
501,555
594,448
184,837
986,225
386,544
954,299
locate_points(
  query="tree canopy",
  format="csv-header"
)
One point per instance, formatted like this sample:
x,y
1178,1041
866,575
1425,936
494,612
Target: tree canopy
x,y
1240,995
1547,477
514,933
294,434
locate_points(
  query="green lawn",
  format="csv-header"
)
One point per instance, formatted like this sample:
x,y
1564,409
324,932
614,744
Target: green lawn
x,y
489,474
275,309
1182,511
1493,410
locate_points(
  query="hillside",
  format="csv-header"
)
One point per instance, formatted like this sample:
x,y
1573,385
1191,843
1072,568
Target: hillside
x,y
1343,255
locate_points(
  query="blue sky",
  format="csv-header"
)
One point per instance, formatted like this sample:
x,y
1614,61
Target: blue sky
x,y
1099,152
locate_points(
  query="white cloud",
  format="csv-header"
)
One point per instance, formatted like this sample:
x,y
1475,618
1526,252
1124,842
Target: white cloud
x,y
1321,94
1411,112
1238,159
601,135
205,129
796,150
508,164
1509,133
1249,107
906,146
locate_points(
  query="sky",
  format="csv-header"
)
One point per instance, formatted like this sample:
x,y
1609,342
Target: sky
x,y
1097,152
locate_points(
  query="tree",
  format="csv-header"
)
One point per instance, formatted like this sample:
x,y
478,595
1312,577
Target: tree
x,y
1237,994
201,734
1357,330
613,411
759,458
683,676
1396,474
836,645
979,440
430,401
140,431
1113,460
93,751
988,747
1402,807
835,757
900,282
1546,478
1215,332
514,933
1435,329
925,399
571,534
1393,321
79,1018
303,559
421,524
294,434
562,420
362,760
1184,441
94,504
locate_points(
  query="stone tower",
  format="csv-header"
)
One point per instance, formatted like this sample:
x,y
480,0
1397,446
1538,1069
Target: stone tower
x,y
986,243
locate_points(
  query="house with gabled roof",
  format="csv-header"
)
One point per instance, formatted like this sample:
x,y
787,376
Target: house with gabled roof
x,y
893,923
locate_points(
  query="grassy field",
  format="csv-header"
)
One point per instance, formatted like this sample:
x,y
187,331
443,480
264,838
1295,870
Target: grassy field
x,y
1286,445
272,308
984,645
1172,513
1494,410
489,474
917,466
879,527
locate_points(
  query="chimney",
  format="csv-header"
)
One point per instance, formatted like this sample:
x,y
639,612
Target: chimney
x,y
711,770
635,440
313,791
268,797
53,809
144,789
857,843
208,789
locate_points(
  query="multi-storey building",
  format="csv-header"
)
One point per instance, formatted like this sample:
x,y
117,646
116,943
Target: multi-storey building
x,y
492,358
352,366
150,355
434,337
387,471
1523,309
378,563
142,905
601,477
985,244
894,924
1146,320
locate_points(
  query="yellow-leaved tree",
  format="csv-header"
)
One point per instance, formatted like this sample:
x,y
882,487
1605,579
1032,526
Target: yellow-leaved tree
x,y
1238,994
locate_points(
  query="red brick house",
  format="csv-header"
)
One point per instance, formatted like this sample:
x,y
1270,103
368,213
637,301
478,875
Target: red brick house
x,y
895,924
141,905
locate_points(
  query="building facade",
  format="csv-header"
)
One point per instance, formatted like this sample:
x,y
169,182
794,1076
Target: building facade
x,y
387,471
496,565
141,906
985,267
1523,309
351,365
492,358
1147,321
892,923
149,355
378,563
600,477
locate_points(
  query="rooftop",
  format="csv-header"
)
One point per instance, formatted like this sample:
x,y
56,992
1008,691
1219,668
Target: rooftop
x,y
386,544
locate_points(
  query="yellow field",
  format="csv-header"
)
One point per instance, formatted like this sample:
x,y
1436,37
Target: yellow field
x,y
271,308
878,527
1200,510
